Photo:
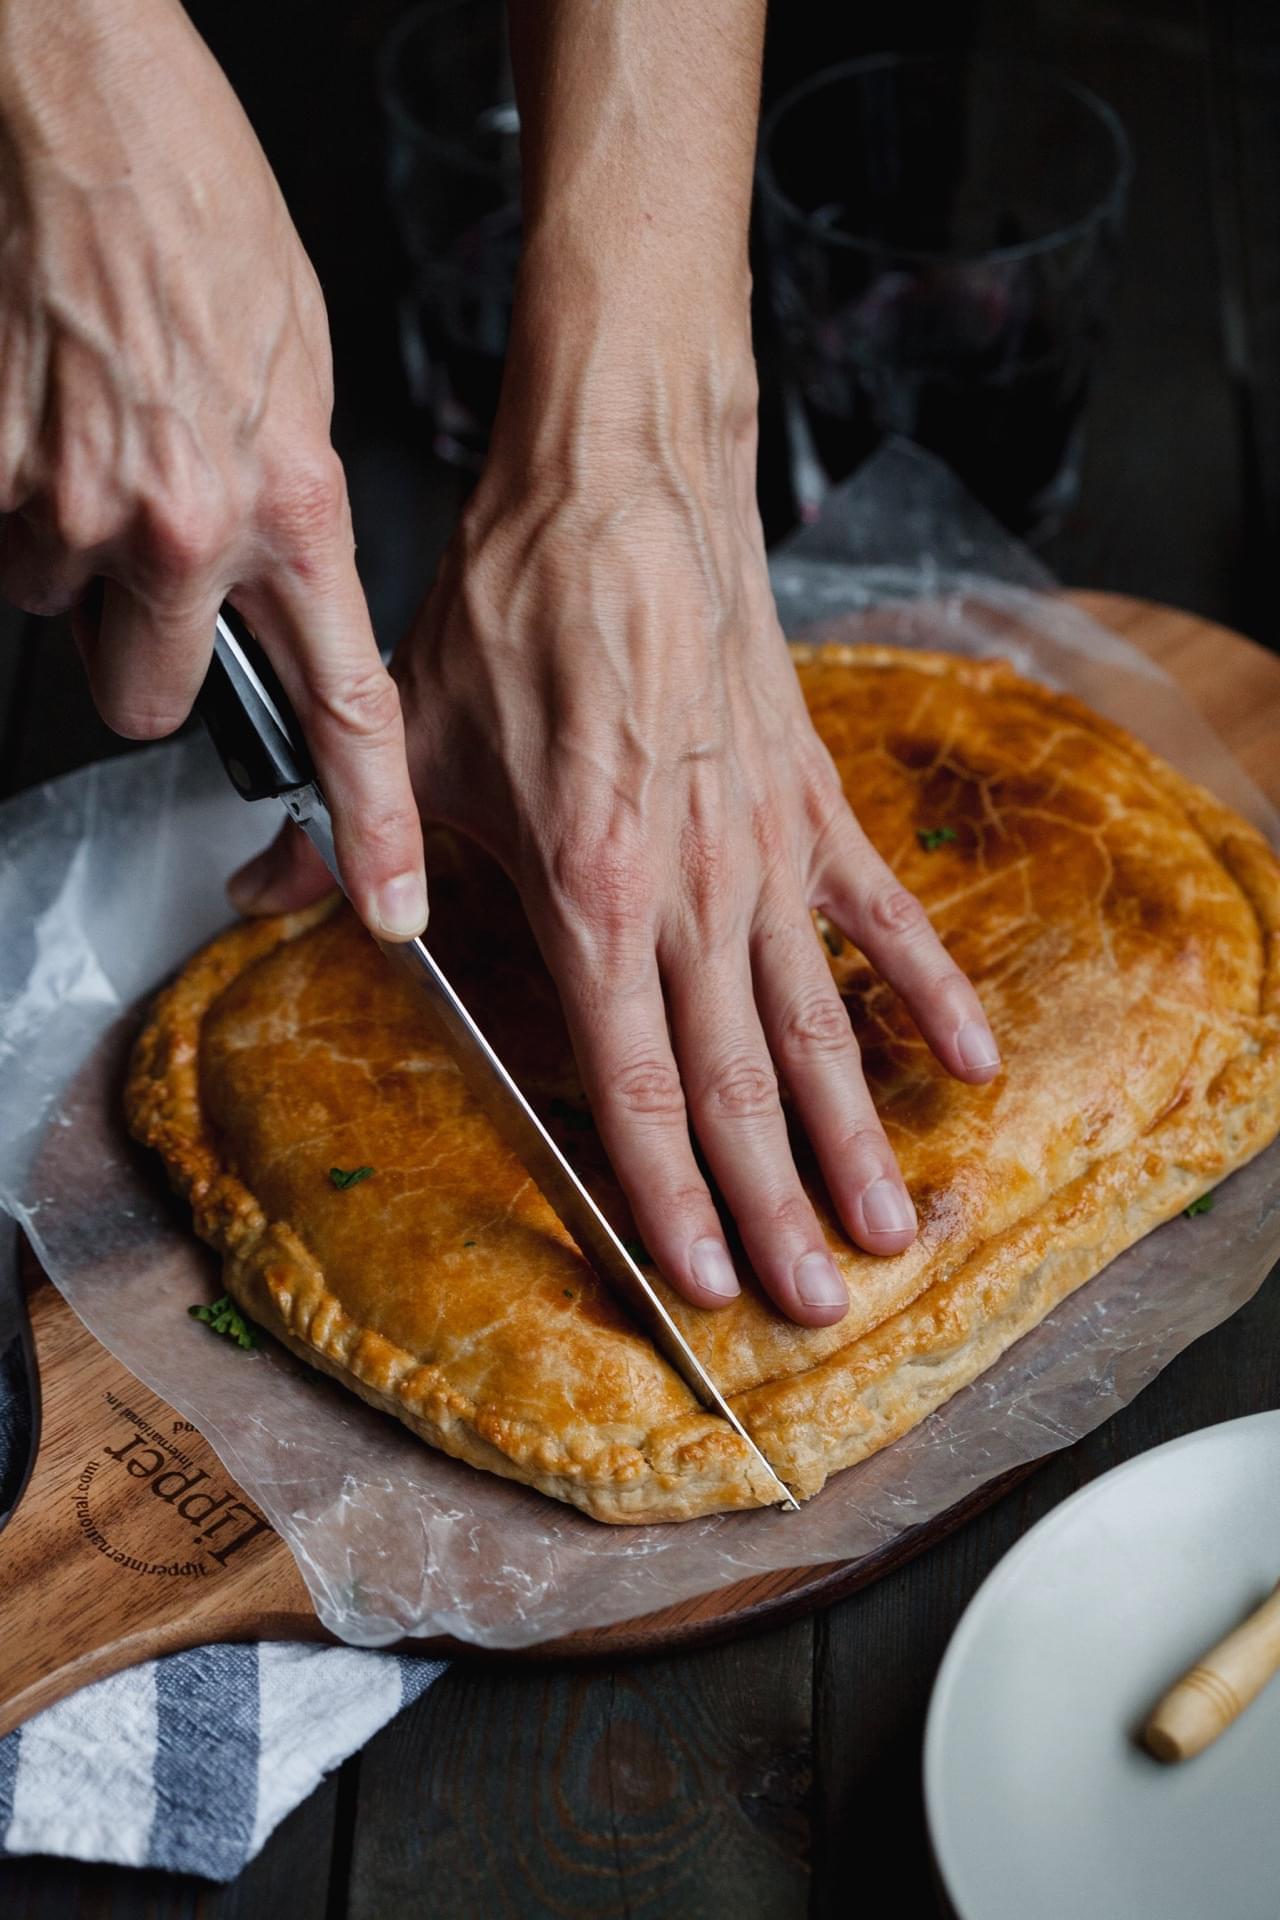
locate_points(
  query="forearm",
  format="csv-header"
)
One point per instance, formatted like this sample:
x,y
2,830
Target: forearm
x,y
638,122
75,78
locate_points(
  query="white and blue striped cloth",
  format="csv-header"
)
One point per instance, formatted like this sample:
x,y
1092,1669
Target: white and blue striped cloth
x,y
189,1762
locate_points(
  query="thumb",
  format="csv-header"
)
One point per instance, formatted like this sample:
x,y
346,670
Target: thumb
x,y
287,875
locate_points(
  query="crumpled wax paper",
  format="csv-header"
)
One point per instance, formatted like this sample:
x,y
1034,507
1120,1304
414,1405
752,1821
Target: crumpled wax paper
x,y
112,876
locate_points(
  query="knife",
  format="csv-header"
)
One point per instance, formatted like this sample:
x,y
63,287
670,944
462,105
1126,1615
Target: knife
x,y
263,750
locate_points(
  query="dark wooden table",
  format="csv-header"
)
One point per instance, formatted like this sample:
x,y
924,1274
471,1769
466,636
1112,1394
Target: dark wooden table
x,y
758,1779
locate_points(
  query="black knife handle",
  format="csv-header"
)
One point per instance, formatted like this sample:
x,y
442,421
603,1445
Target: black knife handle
x,y
249,717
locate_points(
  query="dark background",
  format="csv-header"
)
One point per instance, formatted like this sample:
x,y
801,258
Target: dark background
x,y
778,1776
1180,498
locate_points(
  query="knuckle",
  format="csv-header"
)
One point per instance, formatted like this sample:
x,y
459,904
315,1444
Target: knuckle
x,y
787,1214
895,911
650,1088
386,832
865,1145
743,1089
688,1201
80,516
817,1023
360,703
309,503
948,986
604,878
181,539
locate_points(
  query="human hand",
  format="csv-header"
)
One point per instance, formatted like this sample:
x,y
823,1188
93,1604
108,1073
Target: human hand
x,y
165,393
598,692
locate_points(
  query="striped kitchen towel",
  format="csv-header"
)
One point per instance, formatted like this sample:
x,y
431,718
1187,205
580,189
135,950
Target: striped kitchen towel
x,y
187,1762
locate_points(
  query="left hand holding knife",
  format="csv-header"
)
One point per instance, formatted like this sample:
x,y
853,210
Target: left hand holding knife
x,y
165,395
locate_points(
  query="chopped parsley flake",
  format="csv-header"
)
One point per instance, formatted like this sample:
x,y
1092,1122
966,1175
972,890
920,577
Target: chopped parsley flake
x,y
225,1317
1203,1205
931,838
344,1177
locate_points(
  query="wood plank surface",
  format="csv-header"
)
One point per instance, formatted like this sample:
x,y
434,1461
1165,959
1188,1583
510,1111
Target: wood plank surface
x,y
676,1787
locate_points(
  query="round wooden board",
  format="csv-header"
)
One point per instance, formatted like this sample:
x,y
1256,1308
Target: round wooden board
x,y
107,1445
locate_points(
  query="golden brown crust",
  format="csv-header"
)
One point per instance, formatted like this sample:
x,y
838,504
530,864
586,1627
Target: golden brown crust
x,y
1122,925
537,1374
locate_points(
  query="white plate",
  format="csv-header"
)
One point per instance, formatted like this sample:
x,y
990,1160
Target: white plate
x,y
1041,1804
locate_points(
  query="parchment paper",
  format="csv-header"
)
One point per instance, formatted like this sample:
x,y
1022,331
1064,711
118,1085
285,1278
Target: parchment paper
x,y
112,876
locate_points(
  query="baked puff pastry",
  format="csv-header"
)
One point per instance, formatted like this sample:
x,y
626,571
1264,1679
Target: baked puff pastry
x,y
1120,925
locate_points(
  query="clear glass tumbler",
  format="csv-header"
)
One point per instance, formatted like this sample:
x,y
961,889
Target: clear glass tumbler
x,y
940,241
453,174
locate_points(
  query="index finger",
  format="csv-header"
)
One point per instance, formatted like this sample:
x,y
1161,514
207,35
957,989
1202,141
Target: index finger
x,y
310,614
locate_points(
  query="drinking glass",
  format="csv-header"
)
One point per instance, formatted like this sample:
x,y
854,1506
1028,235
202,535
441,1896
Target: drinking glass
x,y
453,174
940,239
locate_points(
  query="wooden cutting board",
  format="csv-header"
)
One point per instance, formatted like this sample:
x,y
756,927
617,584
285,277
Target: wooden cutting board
x,y
130,1539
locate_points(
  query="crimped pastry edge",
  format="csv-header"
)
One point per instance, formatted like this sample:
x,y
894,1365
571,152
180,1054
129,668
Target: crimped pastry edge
x,y
952,1332
693,1464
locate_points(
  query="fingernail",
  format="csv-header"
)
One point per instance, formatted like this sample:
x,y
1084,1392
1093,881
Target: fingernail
x,y
818,1283
976,1047
713,1269
401,906
886,1208
247,889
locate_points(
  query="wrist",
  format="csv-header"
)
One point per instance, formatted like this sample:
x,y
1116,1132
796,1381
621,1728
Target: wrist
x,y
623,280
610,354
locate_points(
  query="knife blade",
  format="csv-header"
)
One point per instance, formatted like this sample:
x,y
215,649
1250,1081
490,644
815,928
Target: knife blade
x,y
262,748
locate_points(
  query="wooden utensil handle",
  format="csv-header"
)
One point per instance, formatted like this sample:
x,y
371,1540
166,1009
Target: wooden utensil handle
x,y
1218,1688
